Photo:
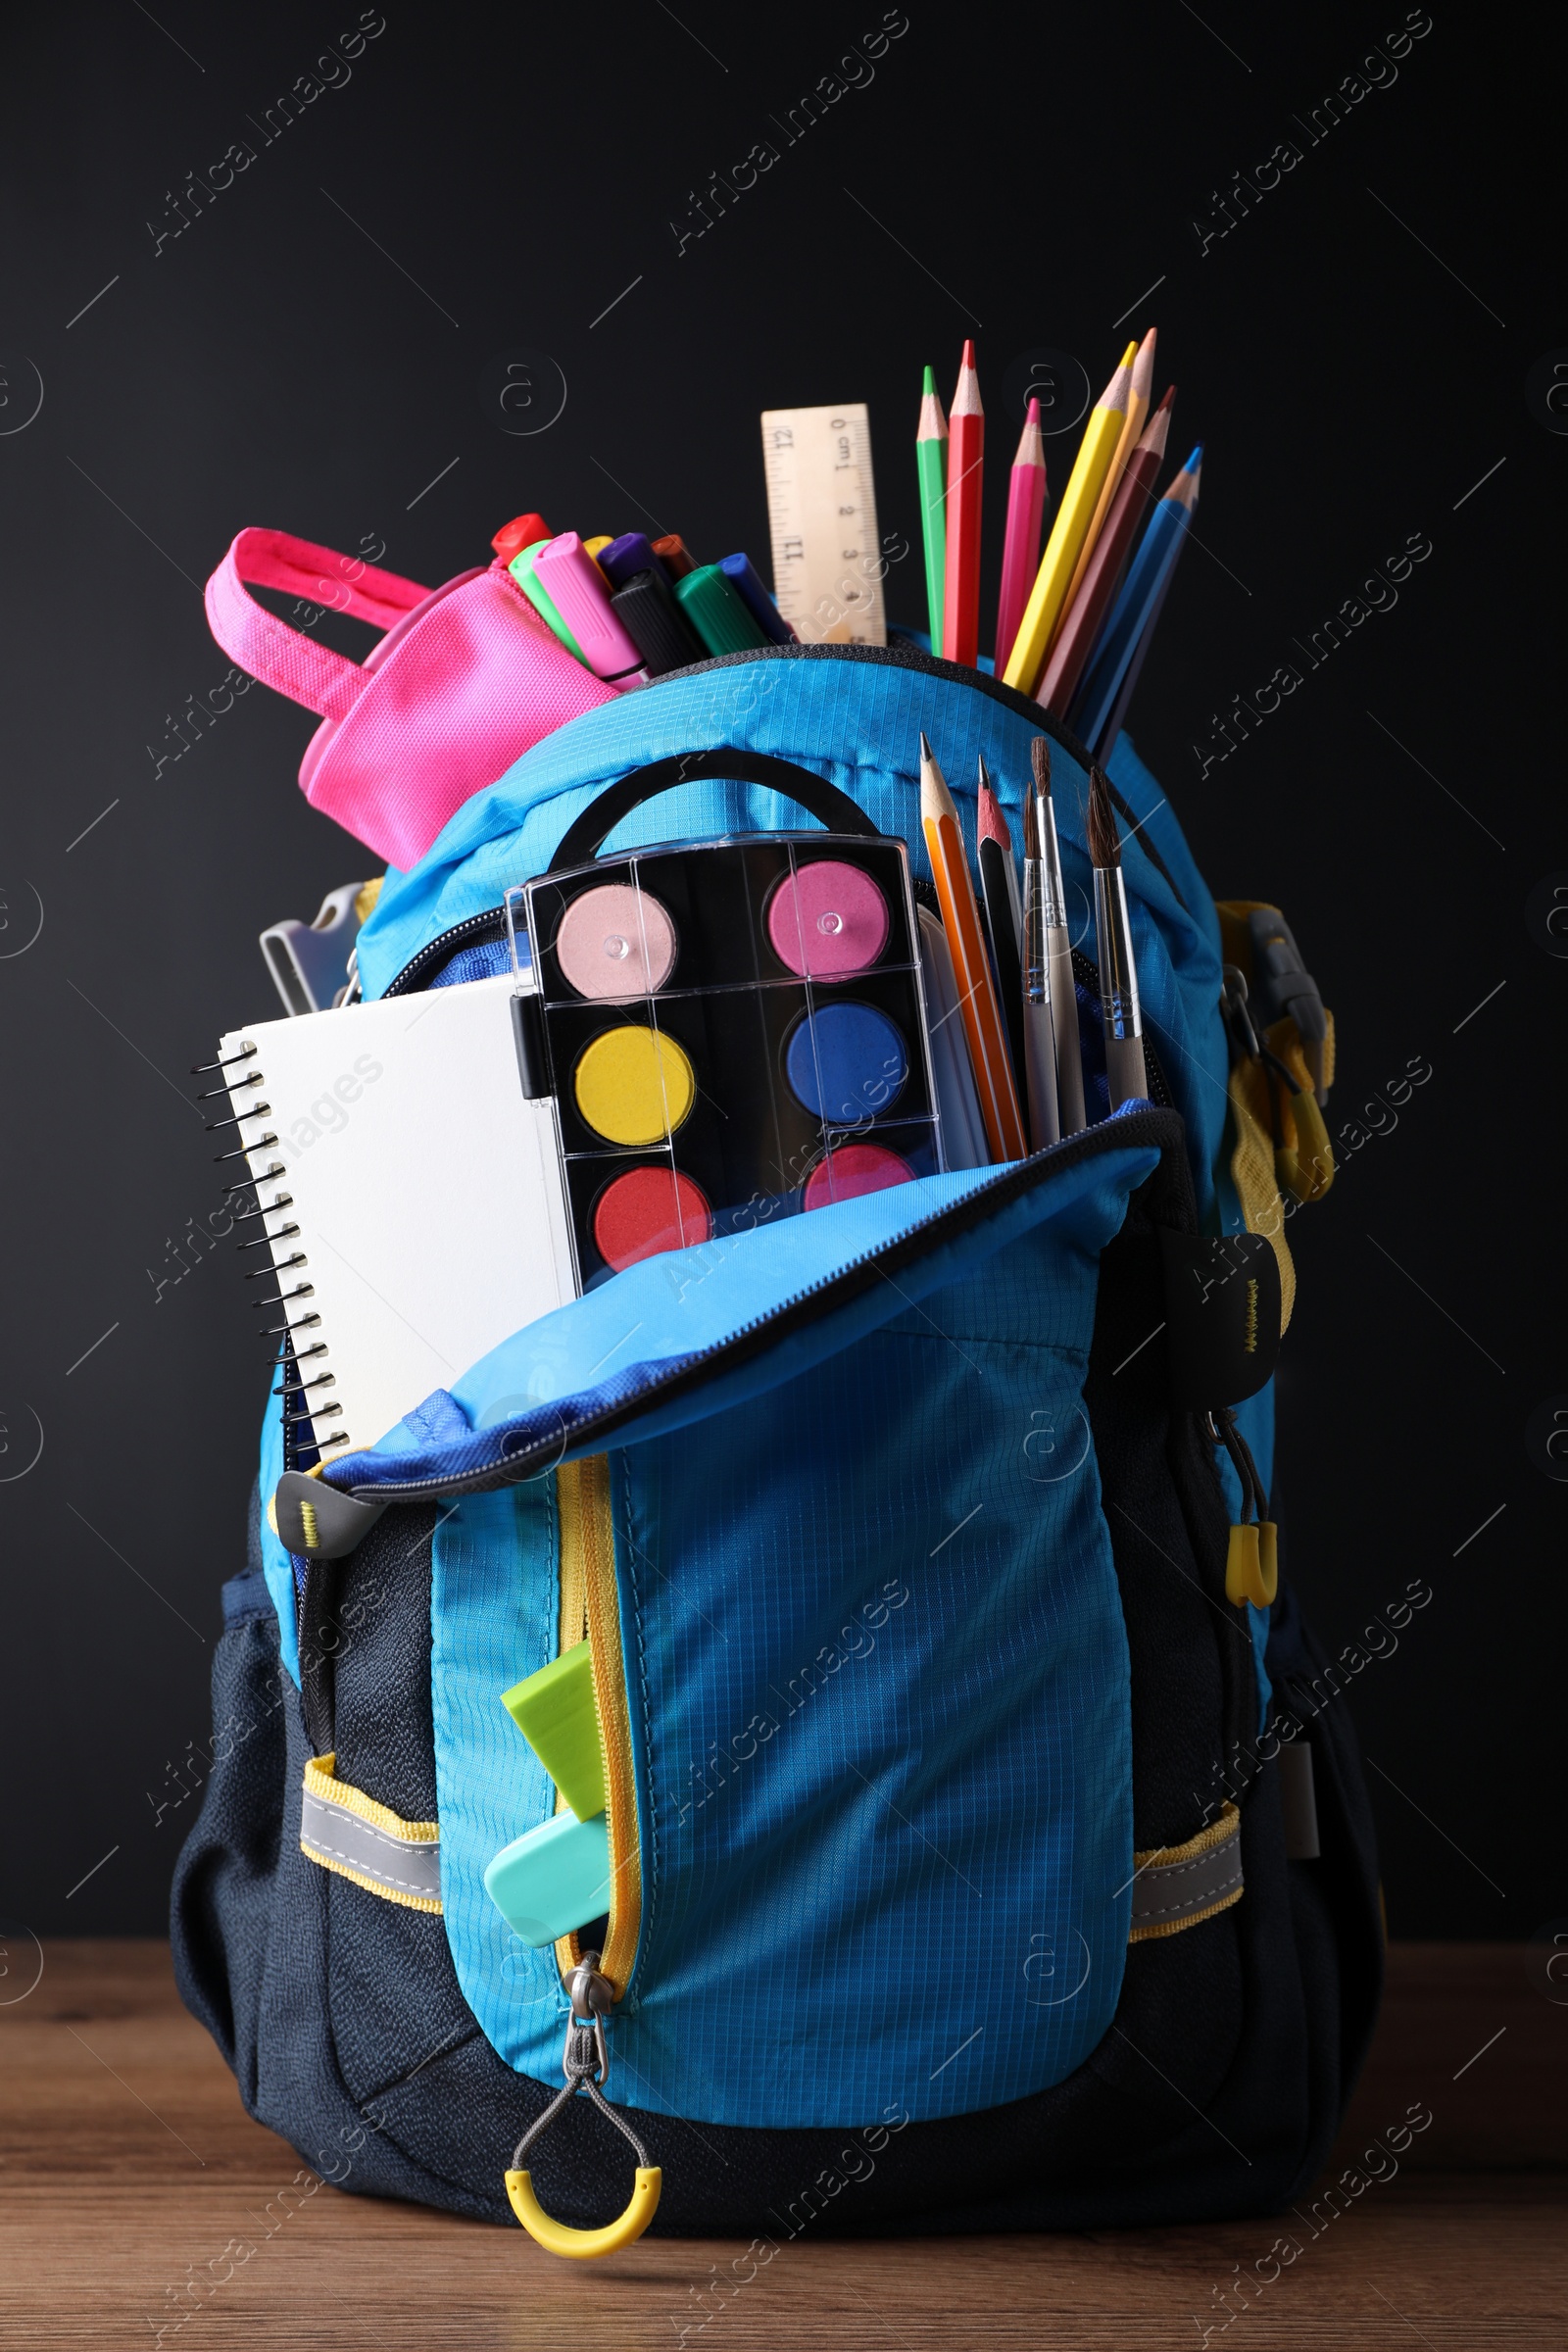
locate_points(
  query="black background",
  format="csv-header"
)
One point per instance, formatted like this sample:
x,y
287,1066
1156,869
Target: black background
x,y
1022,175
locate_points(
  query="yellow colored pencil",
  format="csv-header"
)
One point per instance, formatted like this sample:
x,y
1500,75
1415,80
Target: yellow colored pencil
x,y
1049,594
1140,394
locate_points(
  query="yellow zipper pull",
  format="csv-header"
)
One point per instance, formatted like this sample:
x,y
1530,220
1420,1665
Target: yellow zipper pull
x,y
586,2067
1244,1570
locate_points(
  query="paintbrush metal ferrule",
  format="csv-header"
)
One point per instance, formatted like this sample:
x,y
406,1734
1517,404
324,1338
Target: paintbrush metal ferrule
x,y
1126,1072
1044,885
1036,934
1118,974
1052,883
1039,1023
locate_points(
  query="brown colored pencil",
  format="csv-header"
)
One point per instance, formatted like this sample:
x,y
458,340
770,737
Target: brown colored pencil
x,y
1100,580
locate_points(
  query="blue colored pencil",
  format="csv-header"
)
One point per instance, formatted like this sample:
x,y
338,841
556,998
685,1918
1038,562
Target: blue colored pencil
x,y
1147,576
1112,727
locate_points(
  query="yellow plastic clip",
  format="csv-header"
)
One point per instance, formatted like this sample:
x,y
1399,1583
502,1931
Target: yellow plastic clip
x,y
1244,1569
585,2246
1269,1554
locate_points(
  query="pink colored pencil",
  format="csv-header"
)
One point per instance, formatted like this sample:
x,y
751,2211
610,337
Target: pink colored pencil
x,y
1020,550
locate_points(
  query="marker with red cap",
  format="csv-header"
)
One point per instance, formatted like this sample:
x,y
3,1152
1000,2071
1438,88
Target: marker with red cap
x,y
524,530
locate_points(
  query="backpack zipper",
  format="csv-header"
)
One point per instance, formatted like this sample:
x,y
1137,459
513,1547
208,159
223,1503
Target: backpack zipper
x,y
1157,1126
491,922
588,1585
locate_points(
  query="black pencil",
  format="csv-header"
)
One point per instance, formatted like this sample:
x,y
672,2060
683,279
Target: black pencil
x,y
998,887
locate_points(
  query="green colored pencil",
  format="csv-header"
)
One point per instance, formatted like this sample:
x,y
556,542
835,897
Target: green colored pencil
x,y
931,458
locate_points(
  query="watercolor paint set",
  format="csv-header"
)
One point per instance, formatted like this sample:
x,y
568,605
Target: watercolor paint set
x,y
730,1032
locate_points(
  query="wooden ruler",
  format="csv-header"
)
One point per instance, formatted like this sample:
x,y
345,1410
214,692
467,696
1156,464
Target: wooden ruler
x,y
821,511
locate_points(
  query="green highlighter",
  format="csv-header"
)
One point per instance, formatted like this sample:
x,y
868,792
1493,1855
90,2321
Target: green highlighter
x,y
557,1876
718,614
522,571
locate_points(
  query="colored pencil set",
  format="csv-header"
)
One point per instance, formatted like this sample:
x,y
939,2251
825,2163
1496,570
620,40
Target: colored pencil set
x,y
1011,957
632,608
1073,623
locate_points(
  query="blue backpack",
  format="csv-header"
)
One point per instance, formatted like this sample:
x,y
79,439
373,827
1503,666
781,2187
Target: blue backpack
x,y
983,1856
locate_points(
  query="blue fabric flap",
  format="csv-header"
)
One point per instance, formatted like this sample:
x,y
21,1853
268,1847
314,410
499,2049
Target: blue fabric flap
x,y
532,1396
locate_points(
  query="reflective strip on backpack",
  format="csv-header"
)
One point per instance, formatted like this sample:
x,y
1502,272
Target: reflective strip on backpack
x,y
345,1831
1177,1886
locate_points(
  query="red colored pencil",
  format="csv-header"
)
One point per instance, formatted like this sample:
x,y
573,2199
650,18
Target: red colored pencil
x,y
1126,515
1020,550
967,444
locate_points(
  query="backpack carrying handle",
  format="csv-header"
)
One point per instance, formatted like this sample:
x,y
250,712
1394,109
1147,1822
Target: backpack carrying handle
x,y
587,834
273,650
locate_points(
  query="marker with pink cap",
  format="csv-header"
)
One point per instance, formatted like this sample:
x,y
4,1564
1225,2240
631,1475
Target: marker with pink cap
x,y
573,580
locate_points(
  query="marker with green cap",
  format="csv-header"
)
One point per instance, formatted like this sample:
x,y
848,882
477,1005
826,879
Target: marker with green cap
x,y
521,568
718,614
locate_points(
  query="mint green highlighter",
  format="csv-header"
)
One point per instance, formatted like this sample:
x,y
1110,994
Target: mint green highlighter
x,y
557,1876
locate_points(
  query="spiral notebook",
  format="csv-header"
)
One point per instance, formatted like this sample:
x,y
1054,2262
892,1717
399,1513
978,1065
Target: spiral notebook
x,y
410,1185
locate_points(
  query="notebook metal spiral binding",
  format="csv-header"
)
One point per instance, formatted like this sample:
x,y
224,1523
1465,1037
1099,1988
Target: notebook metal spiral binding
x,y
204,1070
290,1356
257,1144
262,1110
248,1183
270,1331
213,1092
282,1266
262,1241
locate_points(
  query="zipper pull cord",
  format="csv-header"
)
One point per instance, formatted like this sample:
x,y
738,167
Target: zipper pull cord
x,y
585,2063
1252,1559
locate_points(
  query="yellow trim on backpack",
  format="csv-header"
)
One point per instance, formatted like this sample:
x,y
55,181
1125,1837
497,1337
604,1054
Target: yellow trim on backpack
x,y
320,1780
1219,1831
573,1628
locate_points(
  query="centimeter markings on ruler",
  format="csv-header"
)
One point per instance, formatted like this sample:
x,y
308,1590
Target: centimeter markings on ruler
x,y
821,513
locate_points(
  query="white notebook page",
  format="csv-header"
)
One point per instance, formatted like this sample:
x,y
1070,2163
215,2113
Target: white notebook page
x,y
427,1189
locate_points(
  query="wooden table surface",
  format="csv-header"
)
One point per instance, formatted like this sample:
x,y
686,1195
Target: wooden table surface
x,y
130,2168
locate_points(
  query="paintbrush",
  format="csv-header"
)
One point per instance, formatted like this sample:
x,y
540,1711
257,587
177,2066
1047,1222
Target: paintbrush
x,y
1052,915
1126,1074
998,892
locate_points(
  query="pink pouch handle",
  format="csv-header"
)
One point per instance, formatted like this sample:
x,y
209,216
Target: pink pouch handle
x,y
276,653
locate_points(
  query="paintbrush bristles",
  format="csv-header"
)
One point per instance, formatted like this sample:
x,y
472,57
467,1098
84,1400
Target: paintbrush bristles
x,y
1040,755
1104,847
1034,846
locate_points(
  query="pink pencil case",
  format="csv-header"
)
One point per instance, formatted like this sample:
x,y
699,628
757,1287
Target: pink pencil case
x,y
465,679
